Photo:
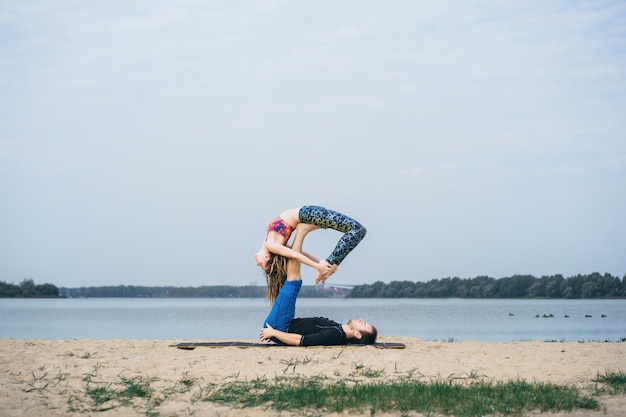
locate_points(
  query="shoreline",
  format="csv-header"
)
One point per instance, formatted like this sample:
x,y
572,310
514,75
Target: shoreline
x,y
39,377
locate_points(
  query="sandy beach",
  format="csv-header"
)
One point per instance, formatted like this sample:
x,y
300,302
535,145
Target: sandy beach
x,y
51,377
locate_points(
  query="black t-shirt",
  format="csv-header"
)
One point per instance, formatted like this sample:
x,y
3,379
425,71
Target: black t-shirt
x,y
318,331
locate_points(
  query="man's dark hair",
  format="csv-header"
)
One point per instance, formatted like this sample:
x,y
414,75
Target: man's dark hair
x,y
368,338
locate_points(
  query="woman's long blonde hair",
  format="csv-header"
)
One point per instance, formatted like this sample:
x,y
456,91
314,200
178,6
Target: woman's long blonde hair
x,y
275,276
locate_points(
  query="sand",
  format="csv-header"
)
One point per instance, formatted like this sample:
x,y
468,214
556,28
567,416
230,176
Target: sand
x,y
51,377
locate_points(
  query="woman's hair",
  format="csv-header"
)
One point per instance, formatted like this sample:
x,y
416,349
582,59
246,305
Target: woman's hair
x,y
275,276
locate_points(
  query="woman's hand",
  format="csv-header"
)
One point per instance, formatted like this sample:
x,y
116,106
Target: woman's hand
x,y
324,271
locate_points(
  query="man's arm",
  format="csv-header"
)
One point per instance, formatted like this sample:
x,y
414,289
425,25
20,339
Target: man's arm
x,y
327,336
292,339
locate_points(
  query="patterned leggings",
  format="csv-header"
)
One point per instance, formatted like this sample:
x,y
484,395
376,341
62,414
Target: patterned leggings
x,y
353,231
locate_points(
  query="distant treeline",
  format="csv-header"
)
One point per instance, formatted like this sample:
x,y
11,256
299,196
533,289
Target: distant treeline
x,y
28,289
518,286
212,291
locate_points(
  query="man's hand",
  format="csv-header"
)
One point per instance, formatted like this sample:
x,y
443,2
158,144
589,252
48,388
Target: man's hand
x,y
267,333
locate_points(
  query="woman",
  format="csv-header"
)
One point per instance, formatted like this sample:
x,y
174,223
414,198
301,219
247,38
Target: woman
x,y
280,229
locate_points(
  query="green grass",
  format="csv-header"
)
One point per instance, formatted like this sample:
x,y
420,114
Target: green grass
x,y
120,393
613,383
364,390
449,398
139,392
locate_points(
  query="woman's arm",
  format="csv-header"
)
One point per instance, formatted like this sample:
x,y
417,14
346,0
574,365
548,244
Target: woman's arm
x,y
278,249
311,257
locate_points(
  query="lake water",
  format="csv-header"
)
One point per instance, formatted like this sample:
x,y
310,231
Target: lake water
x,y
227,318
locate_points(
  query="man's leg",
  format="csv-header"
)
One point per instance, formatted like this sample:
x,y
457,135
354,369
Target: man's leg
x,y
284,307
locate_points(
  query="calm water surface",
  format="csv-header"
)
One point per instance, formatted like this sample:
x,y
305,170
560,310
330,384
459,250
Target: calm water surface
x,y
221,318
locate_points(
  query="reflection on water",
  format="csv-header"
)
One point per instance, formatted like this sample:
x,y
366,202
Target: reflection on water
x,y
220,318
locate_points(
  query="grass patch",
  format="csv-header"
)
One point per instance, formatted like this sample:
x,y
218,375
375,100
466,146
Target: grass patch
x,y
449,398
293,363
140,393
121,393
365,391
86,355
612,383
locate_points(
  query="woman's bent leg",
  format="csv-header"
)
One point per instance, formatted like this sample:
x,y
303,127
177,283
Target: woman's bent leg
x,y
353,231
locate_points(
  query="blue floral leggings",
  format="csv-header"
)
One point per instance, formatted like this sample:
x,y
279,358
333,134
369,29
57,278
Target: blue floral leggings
x,y
353,231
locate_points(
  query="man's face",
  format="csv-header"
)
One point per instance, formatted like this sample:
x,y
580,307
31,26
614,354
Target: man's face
x,y
360,326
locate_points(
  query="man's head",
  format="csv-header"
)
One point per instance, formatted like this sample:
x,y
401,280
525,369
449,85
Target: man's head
x,y
361,332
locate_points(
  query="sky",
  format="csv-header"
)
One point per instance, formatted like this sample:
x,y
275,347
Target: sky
x,y
151,142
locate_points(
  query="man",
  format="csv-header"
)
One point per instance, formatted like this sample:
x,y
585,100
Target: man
x,y
282,328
